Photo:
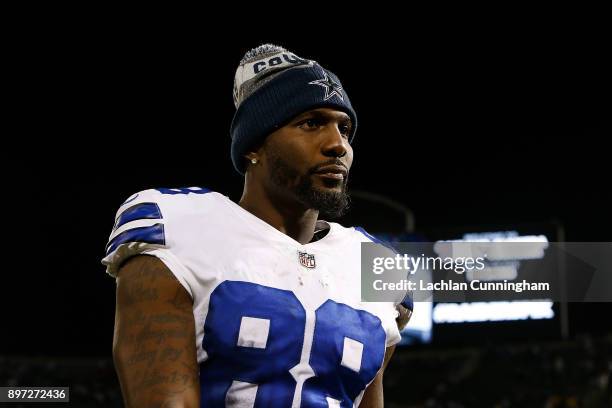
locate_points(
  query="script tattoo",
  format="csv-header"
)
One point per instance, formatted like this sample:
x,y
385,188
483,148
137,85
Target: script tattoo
x,y
154,347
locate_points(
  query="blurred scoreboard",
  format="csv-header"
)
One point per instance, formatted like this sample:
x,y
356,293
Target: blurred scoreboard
x,y
483,321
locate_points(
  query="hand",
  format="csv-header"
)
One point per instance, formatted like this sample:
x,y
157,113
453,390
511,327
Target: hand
x,y
403,318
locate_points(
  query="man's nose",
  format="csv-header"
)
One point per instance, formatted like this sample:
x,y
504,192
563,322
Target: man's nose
x,y
334,145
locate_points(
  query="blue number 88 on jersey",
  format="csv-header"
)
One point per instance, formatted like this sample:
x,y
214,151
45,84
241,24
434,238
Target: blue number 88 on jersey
x,y
266,350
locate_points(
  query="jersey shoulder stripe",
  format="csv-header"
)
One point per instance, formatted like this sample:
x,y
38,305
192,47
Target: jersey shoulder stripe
x,y
139,211
139,220
153,234
183,190
156,222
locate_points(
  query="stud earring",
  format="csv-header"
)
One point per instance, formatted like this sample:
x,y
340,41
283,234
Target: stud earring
x,y
254,160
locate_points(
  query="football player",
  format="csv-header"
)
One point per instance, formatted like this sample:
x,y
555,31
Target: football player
x,y
255,303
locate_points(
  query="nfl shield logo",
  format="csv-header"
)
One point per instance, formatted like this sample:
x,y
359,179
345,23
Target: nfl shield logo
x,y
307,260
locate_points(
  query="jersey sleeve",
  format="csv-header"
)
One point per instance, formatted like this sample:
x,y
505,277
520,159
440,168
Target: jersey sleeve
x,y
141,228
387,310
390,325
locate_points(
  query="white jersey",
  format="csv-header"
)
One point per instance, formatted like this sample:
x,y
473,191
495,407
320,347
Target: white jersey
x,y
278,323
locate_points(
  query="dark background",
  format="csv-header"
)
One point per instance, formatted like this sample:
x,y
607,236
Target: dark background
x,y
485,132
464,130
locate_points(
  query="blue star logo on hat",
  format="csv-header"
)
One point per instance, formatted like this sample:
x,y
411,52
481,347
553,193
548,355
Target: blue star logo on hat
x,y
331,88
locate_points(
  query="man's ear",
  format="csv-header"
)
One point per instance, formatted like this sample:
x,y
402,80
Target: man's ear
x,y
252,159
251,156
254,153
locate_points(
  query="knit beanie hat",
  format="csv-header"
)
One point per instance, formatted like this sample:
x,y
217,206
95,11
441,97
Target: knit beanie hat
x,y
271,87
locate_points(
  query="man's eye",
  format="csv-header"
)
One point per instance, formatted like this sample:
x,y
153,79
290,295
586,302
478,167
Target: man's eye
x,y
310,123
345,130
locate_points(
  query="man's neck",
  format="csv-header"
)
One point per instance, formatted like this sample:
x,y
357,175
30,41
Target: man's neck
x,y
289,217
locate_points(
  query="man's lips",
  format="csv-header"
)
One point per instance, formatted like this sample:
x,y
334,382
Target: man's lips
x,y
335,172
335,176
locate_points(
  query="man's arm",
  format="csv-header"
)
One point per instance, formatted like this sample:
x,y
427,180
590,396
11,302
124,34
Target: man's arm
x,y
154,343
373,396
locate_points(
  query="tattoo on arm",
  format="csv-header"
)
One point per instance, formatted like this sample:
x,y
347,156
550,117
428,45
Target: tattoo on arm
x,y
154,344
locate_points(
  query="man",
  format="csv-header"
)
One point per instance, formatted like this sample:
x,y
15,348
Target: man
x,y
255,304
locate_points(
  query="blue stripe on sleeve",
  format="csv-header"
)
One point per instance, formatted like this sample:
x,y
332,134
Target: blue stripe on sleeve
x,y
142,211
150,235
184,190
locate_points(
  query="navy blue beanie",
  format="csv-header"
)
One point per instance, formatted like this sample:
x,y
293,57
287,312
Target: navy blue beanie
x,y
272,86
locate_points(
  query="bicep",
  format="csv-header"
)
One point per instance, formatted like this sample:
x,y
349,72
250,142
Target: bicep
x,y
154,340
373,396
